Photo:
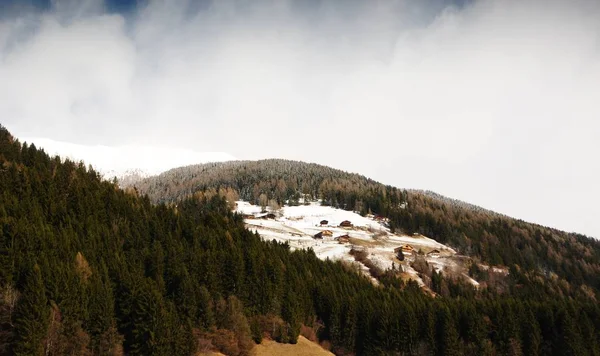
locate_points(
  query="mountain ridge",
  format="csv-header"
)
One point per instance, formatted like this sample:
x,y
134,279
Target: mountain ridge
x,y
494,238
87,268
425,192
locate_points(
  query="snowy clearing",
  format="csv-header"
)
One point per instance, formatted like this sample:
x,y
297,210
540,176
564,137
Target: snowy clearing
x,y
297,225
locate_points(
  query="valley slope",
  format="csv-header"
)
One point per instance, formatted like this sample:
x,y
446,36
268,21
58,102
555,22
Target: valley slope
x,y
531,252
87,268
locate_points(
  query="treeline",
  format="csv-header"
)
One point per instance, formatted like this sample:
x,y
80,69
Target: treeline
x,y
281,180
89,269
500,240
487,236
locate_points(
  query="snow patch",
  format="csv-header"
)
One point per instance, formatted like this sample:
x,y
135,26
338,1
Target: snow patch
x,y
129,161
297,226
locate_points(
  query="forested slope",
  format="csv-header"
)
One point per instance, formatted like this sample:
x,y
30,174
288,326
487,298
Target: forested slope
x,y
493,238
86,268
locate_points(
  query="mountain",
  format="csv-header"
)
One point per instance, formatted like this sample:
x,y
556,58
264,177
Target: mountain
x,y
529,250
87,268
128,163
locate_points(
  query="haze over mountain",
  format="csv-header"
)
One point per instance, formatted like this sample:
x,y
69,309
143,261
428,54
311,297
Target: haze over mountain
x,y
489,101
125,161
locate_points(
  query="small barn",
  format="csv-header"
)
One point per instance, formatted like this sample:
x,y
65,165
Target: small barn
x,y
344,239
346,223
318,235
399,254
324,222
433,253
328,233
407,248
265,216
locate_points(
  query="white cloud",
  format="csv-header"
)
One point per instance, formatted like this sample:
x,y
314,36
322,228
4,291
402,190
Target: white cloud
x,y
494,103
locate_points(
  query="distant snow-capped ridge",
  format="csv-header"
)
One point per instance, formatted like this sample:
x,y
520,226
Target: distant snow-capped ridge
x,y
128,163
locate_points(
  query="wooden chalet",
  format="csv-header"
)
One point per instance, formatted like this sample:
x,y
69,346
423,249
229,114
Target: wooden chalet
x,y
318,235
344,239
407,248
324,222
346,223
328,233
267,216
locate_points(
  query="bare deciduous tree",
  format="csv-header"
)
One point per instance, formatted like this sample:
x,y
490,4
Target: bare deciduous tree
x,y
263,201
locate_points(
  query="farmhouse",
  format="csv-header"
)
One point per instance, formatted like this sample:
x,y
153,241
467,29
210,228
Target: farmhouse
x,y
343,239
346,223
407,248
265,216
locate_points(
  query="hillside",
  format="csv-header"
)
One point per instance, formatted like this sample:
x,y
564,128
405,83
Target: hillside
x,y
368,244
89,269
532,252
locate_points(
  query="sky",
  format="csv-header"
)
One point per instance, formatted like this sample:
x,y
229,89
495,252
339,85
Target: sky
x,y
494,102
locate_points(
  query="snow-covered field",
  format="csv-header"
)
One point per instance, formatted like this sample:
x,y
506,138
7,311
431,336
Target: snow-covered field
x,y
298,224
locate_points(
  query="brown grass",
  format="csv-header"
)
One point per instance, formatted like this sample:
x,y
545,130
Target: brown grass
x,y
303,348
362,257
365,243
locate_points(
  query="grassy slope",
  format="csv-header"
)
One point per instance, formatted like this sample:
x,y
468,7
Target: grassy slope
x,y
304,347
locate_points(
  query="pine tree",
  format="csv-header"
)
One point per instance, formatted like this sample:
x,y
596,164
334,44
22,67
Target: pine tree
x,y
101,309
447,336
531,334
31,316
289,311
569,343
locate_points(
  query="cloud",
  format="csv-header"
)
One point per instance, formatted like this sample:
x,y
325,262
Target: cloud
x,y
491,101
